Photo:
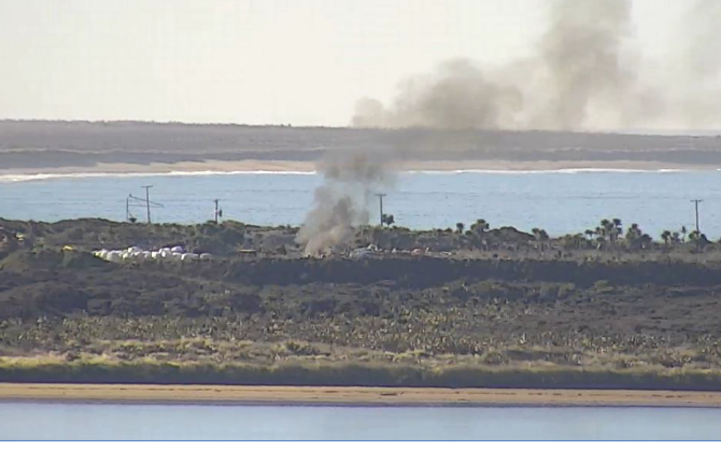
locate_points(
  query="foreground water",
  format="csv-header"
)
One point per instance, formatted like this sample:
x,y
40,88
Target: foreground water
x,y
107,421
560,202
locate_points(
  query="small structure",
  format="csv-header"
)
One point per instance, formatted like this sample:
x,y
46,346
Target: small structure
x,y
363,252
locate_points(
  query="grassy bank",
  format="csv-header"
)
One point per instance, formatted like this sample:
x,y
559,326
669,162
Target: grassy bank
x,y
30,370
480,308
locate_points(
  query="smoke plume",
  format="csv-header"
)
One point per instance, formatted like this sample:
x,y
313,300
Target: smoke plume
x,y
585,73
581,58
456,96
341,203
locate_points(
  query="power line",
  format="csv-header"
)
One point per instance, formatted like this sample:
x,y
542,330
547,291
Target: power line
x,y
218,212
143,201
380,200
696,202
147,198
128,216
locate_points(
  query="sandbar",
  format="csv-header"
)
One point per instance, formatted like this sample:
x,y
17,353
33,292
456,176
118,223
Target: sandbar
x,y
349,396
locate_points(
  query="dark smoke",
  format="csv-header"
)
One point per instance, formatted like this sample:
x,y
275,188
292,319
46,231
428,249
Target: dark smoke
x,y
585,74
341,203
456,96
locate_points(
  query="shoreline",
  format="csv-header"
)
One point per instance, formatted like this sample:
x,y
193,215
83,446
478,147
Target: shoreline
x,y
213,167
348,396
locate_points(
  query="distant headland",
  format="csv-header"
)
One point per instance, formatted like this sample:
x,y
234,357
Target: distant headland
x,y
33,146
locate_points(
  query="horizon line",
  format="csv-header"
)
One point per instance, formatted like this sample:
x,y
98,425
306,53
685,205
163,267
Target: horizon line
x,y
628,132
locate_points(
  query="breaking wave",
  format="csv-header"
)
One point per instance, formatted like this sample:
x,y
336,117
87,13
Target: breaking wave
x,y
22,178
539,171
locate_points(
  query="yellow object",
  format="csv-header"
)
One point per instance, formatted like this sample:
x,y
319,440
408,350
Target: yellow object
x,y
68,248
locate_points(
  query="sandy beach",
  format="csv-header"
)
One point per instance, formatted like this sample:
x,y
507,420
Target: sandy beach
x,y
280,166
370,396
46,147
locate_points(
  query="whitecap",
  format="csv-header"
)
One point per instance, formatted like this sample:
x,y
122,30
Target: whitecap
x,y
21,178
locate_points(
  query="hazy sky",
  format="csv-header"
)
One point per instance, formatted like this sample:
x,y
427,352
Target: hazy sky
x,y
304,62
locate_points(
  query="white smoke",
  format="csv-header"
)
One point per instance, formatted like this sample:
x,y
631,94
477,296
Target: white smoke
x,y
341,203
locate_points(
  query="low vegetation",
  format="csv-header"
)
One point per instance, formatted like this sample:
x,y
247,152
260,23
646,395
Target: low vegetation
x,y
468,306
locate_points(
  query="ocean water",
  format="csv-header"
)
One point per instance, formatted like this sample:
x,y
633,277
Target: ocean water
x,y
109,421
558,201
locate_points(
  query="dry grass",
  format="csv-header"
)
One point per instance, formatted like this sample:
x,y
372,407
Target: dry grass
x,y
312,372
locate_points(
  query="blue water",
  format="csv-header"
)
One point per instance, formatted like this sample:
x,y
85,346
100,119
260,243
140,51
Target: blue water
x,y
106,421
558,202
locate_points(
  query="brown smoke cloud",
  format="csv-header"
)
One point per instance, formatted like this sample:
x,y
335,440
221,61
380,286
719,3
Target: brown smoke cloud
x,y
586,73
341,203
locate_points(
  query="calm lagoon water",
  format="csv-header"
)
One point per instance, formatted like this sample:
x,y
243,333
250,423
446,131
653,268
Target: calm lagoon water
x,y
108,421
560,202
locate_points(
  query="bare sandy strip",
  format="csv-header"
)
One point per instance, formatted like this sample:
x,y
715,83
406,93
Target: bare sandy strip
x,y
375,396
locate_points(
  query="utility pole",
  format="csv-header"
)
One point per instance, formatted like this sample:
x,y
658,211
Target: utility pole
x,y
143,201
218,212
696,202
380,200
147,199
128,216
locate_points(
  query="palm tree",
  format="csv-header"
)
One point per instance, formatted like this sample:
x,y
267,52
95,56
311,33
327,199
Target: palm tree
x,y
609,230
616,229
633,232
574,241
460,227
480,227
601,232
699,239
604,232
666,237
541,236
635,238
477,232
675,237
646,240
